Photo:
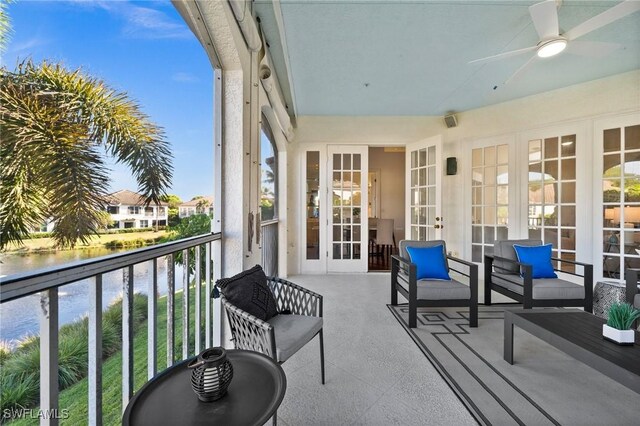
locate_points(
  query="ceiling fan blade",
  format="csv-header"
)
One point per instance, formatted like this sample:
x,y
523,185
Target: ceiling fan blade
x,y
593,49
503,55
605,18
520,70
545,19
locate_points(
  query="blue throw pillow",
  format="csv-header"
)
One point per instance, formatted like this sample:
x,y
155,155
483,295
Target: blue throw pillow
x,y
539,257
430,262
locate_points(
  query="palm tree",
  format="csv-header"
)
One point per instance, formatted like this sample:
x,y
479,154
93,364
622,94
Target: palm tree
x,y
56,126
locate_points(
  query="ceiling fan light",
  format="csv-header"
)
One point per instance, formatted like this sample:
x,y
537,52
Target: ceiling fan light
x,y
551,48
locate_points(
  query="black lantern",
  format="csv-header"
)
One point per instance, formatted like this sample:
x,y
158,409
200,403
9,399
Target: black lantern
x,y
211,375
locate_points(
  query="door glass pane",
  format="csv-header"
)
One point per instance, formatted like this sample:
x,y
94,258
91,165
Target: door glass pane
x,y
476,157
568,146
346,161
612,140
337,161
356,162
632,137
503,154
551,148
432,155
313,205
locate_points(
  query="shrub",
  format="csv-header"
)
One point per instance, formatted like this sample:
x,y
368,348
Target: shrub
x,y
20,373
622,316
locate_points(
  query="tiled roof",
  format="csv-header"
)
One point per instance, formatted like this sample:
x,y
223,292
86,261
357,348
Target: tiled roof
x,y
128,198
194,203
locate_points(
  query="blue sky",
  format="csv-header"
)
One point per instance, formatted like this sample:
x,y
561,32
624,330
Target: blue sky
x,y
142,48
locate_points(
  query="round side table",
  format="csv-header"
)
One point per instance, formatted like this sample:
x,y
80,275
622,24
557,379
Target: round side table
x,y
256,390
605,294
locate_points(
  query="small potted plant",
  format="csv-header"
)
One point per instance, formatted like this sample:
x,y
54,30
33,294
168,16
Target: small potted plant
x,y
618,326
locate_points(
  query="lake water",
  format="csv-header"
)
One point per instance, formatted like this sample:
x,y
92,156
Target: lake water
x,y
19,318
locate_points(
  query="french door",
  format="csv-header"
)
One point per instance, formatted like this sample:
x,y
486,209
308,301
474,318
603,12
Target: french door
x,y
423,169
493,204
617,195
348,168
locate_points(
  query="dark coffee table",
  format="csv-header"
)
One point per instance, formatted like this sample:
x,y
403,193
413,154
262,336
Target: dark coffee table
x,y
578,334
254,395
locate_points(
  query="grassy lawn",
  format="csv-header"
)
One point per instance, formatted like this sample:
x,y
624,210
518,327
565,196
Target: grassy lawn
x,y
43,244
75,398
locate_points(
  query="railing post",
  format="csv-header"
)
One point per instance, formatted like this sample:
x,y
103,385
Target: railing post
x,y
127,335
185,304
198,290
171,294
207,291
49,357
152,340
95,352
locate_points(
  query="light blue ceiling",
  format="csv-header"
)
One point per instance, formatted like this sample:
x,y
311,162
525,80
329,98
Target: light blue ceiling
x,y
411,58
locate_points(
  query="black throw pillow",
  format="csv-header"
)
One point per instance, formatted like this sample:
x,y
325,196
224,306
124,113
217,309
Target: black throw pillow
x,y
250,292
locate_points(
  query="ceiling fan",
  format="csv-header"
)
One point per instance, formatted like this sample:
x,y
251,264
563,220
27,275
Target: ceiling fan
x,y
545,19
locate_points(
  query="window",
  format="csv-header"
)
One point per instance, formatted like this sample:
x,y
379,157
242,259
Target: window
x,y
113,209
148,211
161,211
144,224
133,210
268,174
312,200
552,195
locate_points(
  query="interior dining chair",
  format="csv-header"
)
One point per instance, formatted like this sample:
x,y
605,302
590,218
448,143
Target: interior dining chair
x,y
384,236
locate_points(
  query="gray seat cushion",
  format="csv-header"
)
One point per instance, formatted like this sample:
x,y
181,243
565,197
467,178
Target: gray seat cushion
x,y
440,290
293,332
505,249
543,288
636,301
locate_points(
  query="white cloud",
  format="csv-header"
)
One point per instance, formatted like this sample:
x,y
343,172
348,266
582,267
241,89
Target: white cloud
x,y
144,22
184,77
141,22
27,45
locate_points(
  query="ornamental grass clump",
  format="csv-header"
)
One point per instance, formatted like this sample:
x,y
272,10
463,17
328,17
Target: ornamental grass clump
x,y
622,316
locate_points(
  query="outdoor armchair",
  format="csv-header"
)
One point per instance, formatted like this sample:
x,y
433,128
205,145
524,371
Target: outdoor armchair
x,y
633,287
299,321
504,274
430,292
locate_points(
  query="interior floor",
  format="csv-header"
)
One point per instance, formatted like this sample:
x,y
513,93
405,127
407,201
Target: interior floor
x,y
380,259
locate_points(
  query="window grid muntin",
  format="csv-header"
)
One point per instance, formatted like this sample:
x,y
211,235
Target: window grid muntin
x,y
346,206
489,198
555,155
423,193
614,237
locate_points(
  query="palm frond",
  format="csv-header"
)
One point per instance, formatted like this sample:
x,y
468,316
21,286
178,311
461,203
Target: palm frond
x,y
54,124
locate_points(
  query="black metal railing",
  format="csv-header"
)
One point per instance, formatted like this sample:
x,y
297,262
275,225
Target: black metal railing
x,y
47,282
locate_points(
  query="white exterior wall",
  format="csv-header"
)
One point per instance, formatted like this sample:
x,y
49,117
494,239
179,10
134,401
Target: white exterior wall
x,y
123,216
579,107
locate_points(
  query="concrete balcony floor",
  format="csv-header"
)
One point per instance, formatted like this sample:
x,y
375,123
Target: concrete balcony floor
x,y
375,373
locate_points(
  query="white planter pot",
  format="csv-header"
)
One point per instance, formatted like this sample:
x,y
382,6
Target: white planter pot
x,y
622,337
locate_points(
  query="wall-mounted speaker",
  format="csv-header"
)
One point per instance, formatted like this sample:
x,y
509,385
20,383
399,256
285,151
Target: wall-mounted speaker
x,y
450,120
452,166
